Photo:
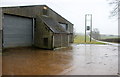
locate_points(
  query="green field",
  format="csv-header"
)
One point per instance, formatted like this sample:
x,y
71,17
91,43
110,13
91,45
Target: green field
x,y
108,37
80,39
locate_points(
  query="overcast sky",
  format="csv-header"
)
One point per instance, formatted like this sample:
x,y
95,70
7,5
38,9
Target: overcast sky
x,y
75,10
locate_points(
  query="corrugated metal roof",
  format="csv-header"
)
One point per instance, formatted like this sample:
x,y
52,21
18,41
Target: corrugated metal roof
x,y
53,25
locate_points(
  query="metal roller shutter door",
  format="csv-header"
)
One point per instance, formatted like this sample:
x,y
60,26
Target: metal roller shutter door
x,y
17,31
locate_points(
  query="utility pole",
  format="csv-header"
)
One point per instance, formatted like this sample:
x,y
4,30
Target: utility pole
x,y
88,27
91,28
85,25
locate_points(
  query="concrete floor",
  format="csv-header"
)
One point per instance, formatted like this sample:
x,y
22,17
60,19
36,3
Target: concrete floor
x,y
76,60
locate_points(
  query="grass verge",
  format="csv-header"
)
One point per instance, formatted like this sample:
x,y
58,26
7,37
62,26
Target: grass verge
x,y
80,39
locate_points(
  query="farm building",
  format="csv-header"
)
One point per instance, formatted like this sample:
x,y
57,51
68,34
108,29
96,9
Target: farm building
x,y
37,26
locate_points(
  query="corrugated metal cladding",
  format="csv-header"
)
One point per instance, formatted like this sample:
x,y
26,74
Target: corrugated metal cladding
x,y
17,31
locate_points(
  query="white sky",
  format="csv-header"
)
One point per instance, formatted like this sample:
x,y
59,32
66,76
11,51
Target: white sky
x,y
75,10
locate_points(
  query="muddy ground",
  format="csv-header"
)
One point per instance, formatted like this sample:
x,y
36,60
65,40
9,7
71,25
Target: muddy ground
x,y
76,60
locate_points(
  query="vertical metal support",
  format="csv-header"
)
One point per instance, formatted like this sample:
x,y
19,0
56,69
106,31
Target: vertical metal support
x,y
85,26
91,28
1,39
33,31
53,43
68,39
1,30
61,39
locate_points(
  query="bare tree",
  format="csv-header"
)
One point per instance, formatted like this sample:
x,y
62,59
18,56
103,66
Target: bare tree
x,y
116,7
96,34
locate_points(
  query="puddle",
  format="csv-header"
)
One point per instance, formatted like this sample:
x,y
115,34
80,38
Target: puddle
x,y
76,60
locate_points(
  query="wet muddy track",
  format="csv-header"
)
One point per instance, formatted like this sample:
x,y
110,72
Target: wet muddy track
x,y
75,60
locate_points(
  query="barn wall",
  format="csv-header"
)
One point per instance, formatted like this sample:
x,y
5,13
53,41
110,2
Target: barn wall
x,y
61,40
57,40
65,40
23,11
71,39
59,18
35,12
0,29
41,32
